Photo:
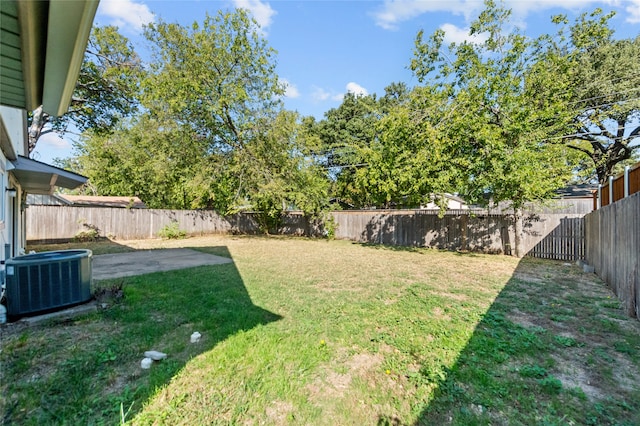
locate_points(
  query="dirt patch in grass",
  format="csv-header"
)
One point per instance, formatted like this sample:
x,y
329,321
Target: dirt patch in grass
x,y
572,372
278,412
343,385
523,319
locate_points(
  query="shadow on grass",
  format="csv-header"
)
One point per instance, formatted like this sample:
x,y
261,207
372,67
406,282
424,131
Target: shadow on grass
x,y
419,250
86,370
554,348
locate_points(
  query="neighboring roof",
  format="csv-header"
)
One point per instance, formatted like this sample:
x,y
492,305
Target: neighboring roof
x,y
41,178
46,200
577,191
42,45
104,201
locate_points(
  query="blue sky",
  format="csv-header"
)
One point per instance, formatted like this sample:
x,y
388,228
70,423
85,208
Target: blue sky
x,y
326,48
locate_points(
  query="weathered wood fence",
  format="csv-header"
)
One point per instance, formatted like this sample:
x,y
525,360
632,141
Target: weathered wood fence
x,y
613,248
548,235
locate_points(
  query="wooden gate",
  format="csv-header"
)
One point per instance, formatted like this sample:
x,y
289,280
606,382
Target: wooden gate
x,y
565,242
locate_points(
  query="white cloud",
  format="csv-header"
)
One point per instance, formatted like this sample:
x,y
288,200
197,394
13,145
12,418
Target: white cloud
x,y
54,141
356,89
634,12
126,13
453,34
394,12
262,12
290,90
320,95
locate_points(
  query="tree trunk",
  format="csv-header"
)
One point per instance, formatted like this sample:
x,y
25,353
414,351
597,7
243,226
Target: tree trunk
x,y
38,120
517,221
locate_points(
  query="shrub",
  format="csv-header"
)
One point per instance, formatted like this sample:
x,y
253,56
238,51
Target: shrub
x,y
90,233
172,231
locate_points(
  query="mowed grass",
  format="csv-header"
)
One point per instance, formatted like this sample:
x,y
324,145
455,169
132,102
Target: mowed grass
x,y
299,331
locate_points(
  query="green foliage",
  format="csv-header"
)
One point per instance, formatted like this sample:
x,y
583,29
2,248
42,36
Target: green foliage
x,y
156,161
488,121
222,114
566,341
550,385
330,226
346,134
172,231
107,87
408,162
533,371
495,118
277,173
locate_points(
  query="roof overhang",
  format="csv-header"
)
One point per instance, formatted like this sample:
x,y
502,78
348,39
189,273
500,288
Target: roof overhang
x,y
36,177
43,45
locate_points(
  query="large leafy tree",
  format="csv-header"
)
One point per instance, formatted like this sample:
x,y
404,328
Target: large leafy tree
x,y
347,134
106,90
604,80
410,161
213,134
278,172
218,80
496,121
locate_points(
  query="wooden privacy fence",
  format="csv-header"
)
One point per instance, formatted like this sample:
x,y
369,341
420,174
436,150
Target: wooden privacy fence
x,y
613,249
456,230
548,235
551,236
47,223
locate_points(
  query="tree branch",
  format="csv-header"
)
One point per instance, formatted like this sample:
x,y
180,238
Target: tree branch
x,y
110,60
592,140
584,150
621,126
605,132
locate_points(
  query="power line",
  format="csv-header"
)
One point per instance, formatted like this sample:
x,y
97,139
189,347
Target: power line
x,y
635,89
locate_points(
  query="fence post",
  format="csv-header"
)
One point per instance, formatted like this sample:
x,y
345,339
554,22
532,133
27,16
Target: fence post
x,y
626,181
610,189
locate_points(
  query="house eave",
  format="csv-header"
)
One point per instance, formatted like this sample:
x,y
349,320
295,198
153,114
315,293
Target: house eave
x,y
43,45
67,37
36,177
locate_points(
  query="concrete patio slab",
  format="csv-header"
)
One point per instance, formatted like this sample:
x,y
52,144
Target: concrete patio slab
x,y
118,265
124,265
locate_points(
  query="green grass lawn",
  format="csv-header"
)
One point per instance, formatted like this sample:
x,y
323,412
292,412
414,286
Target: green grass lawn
x,y
300,331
